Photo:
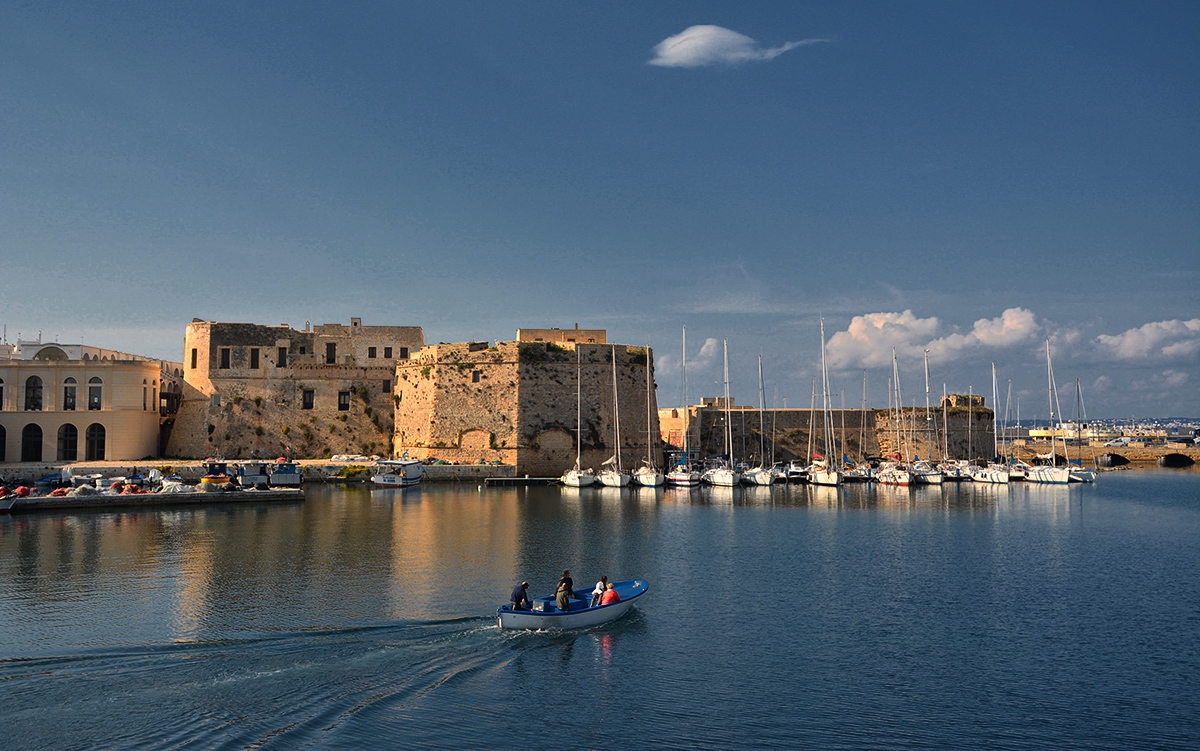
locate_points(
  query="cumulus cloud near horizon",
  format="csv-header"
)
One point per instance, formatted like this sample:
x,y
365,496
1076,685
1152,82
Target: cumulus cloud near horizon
x,y
705,44
1170,339
868,340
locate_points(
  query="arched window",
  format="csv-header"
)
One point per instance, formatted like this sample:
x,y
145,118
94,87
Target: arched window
x,y
68,443
95,385
1,401
94,437
68,402
33,394
31,443
3,441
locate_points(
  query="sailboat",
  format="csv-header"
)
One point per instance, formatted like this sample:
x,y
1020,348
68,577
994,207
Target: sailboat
x,y
893,472
682,474
1078,472
725,475
611,475
760,475
578,477
1052,473
996,474
824,470
648,475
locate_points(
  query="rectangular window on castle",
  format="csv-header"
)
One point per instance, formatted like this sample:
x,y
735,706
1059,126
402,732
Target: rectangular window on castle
x,y
254,358
224,358
193,358
307,399
475,376
343,401
404,353
331,354
387,351
387,386
371,352
281,358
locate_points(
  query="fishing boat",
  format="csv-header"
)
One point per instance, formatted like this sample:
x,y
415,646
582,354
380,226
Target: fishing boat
x,y
611,475
285,474
251,474
545,615
577,477
398,473
216,472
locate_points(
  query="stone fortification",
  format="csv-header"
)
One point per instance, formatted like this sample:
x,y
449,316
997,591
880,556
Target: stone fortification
x,y
264,391
516,402
789,430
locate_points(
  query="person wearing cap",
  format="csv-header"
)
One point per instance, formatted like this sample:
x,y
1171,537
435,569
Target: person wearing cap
x,y
519,600
562,594
610,596
598,592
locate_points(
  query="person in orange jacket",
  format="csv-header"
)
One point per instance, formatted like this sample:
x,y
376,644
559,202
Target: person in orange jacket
x,y
610,596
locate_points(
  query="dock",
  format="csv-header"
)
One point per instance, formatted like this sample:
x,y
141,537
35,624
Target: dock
x,y
151,500
508,482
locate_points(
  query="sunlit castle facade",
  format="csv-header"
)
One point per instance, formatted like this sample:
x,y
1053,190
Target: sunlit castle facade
x,y
75,402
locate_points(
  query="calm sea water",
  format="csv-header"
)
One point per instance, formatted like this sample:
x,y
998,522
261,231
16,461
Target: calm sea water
x,y
1027,617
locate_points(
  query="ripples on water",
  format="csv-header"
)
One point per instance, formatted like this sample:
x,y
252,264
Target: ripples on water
x,y
972,617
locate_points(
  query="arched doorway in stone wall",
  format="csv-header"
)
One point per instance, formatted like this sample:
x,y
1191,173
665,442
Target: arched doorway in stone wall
x,y
554,452
31,443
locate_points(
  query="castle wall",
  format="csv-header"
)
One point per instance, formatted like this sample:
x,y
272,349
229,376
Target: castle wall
x,y
522,408
970,433
238,408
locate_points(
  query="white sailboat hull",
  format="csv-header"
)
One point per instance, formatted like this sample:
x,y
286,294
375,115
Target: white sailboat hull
x,y
1051,475
758,476
824,477
578,478
991,475
683,478
610,478
725,478
648,477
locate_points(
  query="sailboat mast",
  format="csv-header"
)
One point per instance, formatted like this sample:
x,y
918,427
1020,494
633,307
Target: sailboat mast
x,y
649,458
828,421
862,425
899,404
578,408
970,414
945,426
812,417
995,404
686,459
761,415
928,419
728,417
616,409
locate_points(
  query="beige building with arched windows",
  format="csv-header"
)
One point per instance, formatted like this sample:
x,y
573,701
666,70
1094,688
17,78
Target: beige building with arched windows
x,y
72,402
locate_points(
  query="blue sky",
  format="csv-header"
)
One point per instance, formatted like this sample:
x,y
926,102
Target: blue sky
x,y
964,178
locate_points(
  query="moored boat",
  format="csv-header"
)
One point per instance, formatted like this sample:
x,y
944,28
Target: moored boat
x,y
546,616
398,473
285,474
251,474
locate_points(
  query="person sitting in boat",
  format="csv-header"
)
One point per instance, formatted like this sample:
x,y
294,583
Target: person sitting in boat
x,y
519,600
598,592
562,594
610,596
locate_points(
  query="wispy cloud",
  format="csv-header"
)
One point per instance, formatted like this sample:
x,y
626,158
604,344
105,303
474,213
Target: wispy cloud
x,y
868,341
1170,339
697,46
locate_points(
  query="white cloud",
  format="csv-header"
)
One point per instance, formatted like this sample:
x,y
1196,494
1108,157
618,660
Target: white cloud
x,y
1102,384
868,341
670,364
1173,339
702,45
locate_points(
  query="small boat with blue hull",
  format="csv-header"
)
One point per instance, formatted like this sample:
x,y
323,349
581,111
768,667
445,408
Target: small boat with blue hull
x,y
546,615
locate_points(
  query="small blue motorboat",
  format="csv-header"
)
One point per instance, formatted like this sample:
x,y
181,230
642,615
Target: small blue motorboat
x,y
545,615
